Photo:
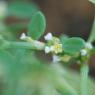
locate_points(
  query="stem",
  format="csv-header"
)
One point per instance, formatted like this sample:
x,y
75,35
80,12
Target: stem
x,y
92,37
84,79
35,45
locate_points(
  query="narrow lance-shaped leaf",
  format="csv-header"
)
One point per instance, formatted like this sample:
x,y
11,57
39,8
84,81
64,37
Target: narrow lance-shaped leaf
x,y
73,45
37,25
92,35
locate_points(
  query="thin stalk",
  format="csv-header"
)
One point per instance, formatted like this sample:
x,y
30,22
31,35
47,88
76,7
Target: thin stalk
x,y
84,79
35,45
92,37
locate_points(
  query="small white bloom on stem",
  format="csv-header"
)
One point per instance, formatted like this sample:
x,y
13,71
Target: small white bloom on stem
x,y
83,52
23,36
56,48
88,46
48,37
26,38
47,49
55,58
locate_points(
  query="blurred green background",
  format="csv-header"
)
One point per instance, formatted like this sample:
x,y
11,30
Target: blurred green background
x,y
72,17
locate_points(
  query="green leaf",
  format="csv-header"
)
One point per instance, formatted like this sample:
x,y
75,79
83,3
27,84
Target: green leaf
x,y
22,9
92,1
73,45
4,55
4,44
92,35
37,25
6,61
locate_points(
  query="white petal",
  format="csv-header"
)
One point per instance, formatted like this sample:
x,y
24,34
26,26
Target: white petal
x,y
89,45
23,36
83,52
56,58
47,49
48,36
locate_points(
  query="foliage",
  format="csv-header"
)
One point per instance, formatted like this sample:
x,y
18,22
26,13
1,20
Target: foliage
x,y
22,73
37,26
73,45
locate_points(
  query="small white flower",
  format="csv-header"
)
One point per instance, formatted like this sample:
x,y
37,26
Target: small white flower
x,y
48,37
83,52
56,48
88,46
47,49
56,59
23,36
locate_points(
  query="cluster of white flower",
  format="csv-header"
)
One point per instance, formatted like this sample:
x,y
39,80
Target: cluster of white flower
x,y
83,52
88,46
47,38
55,48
